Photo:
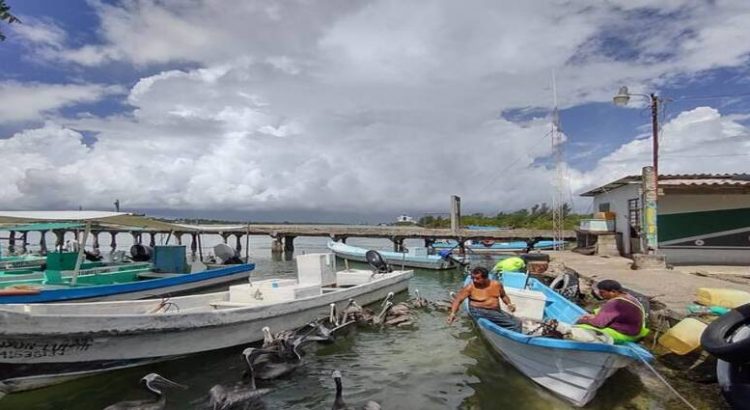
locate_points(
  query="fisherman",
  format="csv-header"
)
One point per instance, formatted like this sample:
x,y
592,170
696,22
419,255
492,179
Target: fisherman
x,y
484,301
622,317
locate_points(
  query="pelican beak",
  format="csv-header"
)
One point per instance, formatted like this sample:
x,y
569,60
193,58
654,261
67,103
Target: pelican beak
x,y
169,383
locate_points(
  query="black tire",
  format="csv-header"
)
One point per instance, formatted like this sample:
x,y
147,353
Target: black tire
x,y
561,281
734,380
715,338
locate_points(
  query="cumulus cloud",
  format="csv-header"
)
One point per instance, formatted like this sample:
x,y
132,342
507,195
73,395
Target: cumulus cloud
x,y
29,101
361,106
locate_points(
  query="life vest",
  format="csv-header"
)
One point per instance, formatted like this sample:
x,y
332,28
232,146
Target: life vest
x,y
619,337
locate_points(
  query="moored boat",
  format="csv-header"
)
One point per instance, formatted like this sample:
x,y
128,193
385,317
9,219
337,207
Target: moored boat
x,y
412,259
42,344
571,369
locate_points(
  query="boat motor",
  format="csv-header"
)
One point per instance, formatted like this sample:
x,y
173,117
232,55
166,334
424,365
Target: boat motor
x,y
141,253
377,262
227,254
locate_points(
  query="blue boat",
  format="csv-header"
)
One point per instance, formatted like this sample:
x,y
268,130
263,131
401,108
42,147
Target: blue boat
x,y
492,246
571,369
415,258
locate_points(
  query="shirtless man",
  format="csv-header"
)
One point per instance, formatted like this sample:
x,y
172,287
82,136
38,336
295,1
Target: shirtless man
x,y
484,301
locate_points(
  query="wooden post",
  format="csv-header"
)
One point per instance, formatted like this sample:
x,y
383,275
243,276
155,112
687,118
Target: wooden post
x,y
289,243
238,243
277,245
113,241
95,245
193,245
79,259
398,244
152,239
24,244
43,242
60,239
455,213
12,242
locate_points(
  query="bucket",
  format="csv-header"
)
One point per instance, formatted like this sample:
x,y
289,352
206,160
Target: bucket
x,y
683,337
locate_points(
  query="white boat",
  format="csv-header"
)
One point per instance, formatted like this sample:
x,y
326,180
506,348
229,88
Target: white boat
x,y
571,369
43,344
415,258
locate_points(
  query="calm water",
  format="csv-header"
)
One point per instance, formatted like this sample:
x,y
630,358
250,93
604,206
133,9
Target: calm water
x,y
429,366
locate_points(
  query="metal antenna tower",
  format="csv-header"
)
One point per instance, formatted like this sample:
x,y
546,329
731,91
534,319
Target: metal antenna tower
x,y
558,201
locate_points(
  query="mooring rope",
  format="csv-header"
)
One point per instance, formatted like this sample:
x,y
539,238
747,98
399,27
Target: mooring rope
x,y
663,380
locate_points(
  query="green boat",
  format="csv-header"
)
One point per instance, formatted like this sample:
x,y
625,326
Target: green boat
x,y
58,267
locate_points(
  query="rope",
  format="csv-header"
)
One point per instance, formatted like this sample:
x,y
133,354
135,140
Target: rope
x,y
663,380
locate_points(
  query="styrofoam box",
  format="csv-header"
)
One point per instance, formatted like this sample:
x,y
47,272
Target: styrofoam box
x,y
286,289
529,303
316,269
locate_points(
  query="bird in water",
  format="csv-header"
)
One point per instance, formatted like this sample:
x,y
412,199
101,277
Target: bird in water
x,y
339,404
380,317
153,382
418,301
242,395
273,363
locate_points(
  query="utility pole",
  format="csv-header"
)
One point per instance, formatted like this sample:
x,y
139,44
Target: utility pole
x,y
455,213
655,138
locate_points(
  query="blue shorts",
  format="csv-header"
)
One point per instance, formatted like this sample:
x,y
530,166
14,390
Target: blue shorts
x,y
497,317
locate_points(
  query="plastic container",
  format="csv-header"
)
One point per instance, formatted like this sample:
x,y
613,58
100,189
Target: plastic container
x,y
529,303
683,337
707,310
729,298
515,280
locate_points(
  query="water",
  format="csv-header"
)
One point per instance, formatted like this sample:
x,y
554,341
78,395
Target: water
x,y
429,366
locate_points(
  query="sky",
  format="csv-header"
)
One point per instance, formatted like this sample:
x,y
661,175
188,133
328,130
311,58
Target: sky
x,y
358,111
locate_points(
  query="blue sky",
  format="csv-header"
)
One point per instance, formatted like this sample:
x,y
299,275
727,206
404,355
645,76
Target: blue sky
x,y
373,107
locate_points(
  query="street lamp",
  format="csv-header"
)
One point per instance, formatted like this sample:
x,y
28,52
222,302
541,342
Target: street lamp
x,y
650,189
623,97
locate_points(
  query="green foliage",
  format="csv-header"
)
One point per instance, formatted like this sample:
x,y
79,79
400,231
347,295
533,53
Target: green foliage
x,y
6,16
538,216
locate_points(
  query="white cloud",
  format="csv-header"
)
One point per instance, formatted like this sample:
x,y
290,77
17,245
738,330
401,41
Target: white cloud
x,y
30,101
362,106
40,33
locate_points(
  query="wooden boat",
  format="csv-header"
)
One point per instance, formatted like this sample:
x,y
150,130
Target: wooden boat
x,y
571,369
68,277
491,246
42,344
412,259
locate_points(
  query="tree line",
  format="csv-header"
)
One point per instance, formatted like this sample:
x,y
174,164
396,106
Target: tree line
x,y
538,216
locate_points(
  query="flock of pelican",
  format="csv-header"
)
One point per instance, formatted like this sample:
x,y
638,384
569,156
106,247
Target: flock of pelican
x,y
281,354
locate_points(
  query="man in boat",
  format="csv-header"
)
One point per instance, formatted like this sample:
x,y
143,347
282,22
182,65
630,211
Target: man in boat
x,y
484,301
622,317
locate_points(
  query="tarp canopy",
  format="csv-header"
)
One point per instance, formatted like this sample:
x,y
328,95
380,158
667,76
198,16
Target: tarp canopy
x,y
42,226
97,218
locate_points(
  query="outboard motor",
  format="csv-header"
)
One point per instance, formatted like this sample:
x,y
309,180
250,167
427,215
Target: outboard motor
x,y
227,254
377,262
141,253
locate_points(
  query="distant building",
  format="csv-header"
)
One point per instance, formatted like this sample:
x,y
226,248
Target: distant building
x,y
702,218
405,219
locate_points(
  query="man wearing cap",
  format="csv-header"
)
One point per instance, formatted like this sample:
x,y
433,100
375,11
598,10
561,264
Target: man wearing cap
x,y
622,317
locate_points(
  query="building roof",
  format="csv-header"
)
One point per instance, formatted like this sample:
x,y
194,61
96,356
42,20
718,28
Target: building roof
x,y
674,182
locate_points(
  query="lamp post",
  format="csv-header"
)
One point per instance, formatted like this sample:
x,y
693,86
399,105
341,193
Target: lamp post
x,y
650,177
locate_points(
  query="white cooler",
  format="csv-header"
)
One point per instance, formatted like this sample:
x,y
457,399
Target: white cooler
x,y
529,303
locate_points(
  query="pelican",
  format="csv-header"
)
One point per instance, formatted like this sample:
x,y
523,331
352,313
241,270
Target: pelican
x,y
418,301
151,381
378,319
339,404
238,395
388,298
274,364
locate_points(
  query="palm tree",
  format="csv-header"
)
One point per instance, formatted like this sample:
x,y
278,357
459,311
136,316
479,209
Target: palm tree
x,y
6,16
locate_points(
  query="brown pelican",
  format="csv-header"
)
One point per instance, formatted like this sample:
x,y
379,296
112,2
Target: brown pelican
x,y
339,404
378,319
418,301
271,364
242,395
152,382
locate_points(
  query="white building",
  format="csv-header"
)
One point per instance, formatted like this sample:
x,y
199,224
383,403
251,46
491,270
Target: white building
x,y
701,218
405,219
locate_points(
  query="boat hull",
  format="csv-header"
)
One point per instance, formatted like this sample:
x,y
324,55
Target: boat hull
x,y
138,289
42,349
573,375
396,259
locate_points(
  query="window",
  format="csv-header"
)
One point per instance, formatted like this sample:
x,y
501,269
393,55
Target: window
x,y
634,215
604,207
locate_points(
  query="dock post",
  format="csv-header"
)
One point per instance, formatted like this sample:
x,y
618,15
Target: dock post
x,y
95,245
224,236
113,241
178,236
152,239
455,213
193,245
42,242
289,243
428,242
398,244
60,236
238,243
24,245
277,245
12,242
